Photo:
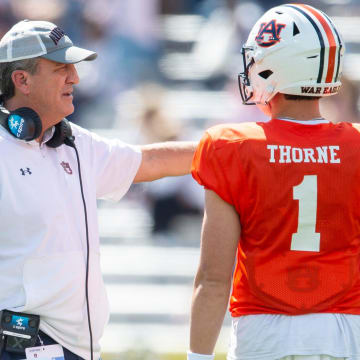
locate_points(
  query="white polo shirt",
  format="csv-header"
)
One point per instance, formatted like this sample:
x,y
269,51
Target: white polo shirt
x,y
42,230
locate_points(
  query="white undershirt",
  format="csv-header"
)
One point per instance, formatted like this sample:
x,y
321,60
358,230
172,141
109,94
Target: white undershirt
x,y
306,122
269,337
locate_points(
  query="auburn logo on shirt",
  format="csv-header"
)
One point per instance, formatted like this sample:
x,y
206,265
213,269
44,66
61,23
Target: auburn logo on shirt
x,y
269,33
66,167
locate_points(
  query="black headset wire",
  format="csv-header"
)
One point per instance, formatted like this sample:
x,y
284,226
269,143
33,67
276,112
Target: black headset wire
x,y
69,140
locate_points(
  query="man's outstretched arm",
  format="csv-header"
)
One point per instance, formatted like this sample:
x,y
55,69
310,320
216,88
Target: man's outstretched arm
x,y
171,158
219,239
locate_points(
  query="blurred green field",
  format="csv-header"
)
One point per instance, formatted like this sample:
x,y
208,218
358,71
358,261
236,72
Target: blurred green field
x,y
146,355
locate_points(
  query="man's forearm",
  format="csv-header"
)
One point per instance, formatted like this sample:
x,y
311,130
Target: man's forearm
x,y
171,158
210,301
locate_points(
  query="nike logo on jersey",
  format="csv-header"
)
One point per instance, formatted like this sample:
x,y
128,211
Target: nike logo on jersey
x,y
289,154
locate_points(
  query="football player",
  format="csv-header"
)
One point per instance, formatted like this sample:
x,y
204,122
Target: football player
x,y
281,230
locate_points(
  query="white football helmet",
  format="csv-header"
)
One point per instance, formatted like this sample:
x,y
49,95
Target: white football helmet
x,y
292,49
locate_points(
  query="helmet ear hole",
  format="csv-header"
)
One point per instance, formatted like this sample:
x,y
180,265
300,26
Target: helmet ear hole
x,y
296,30
265,74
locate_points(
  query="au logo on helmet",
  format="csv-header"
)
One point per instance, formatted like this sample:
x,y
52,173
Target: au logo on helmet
x,y
269,33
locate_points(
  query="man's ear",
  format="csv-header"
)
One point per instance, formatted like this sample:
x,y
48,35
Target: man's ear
x,y
20,79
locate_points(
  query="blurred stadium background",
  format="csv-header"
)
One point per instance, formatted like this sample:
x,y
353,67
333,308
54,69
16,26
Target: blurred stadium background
x,y
167,70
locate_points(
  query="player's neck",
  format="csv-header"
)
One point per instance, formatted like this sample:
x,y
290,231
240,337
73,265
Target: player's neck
x,y
295,109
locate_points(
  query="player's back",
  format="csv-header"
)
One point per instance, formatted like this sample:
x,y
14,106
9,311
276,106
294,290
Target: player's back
x,y
296,189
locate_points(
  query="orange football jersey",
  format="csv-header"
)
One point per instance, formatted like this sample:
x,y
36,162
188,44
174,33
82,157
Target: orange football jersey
x,y
296,188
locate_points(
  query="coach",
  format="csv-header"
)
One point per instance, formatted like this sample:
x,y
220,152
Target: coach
x,y
51,174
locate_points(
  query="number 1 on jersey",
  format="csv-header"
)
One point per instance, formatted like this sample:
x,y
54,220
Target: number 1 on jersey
x,y
306,238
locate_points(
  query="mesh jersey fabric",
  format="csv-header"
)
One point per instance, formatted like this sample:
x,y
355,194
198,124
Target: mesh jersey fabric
x,y
296,190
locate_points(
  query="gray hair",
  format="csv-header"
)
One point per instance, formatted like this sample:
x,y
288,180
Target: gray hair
x,y
7,87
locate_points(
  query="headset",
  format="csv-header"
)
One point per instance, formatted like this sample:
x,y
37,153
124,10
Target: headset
x,y
25,124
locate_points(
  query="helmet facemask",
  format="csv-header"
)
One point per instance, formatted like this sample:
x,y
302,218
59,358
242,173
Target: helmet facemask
x,y
246,90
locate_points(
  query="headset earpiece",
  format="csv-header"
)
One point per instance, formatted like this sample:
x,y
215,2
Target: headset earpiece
x,y
24,123
61,135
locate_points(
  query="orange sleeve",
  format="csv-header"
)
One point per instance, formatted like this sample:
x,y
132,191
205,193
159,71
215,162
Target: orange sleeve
x,y
208,170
